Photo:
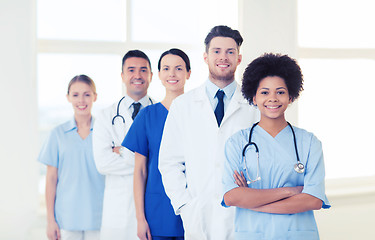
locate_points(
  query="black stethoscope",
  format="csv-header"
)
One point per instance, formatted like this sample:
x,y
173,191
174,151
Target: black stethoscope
x,y
118,111
299,167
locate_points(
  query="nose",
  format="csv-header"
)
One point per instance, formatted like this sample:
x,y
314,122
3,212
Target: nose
x,y
137,74
172,73
273,97
81,98
223,55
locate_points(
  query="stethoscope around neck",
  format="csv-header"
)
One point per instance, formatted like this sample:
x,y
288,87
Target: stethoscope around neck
x,y
118,111
299,167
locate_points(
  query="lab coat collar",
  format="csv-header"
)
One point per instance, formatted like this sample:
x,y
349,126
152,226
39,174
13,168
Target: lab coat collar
x,y
128,101
201,94
72,125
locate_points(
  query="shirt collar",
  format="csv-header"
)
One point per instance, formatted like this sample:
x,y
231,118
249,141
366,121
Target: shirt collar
x,y
129,101
229,90
72,125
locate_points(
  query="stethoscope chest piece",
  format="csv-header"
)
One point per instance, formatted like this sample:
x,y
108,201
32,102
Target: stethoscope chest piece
x,y
299,167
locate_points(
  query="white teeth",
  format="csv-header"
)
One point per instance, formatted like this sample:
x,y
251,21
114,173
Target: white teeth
x,y
81,107
221,65
272,107
172,81
137,83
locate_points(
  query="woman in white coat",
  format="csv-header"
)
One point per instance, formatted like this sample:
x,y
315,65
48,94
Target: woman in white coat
x,y
113,160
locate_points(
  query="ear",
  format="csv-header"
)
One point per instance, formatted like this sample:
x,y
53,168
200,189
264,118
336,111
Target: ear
x,y
205,56
239,60
254,101
122,77
95,97
68,98
151,76
188,75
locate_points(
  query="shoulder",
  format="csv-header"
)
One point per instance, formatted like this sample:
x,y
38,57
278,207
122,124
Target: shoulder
x,y
239,137
190,95
306,136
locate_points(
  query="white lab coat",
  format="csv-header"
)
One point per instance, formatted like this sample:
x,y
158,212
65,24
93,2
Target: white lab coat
x,y
191,161
119,221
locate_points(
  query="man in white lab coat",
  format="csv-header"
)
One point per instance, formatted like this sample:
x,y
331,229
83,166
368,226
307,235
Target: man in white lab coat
x,y
199,122
115,161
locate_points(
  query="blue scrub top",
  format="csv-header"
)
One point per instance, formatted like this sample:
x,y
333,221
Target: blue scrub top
x,y
276,167
144,137
80,187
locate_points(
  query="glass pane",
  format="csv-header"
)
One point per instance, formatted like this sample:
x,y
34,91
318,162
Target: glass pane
x,y
179,21
164,21
336,23
92,20
336,106
56,70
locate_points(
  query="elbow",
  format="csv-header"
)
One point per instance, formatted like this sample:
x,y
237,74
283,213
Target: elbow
x,y
229,199
316,204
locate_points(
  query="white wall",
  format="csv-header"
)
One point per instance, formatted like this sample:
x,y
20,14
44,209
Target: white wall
x,y
271,26
18,121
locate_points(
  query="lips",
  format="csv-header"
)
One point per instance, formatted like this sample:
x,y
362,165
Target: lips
x,y
222,65
82,107
137,82
172,81
273,107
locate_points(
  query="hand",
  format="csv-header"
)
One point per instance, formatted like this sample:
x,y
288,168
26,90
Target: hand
x,y
143,230
53,231
116,150
240,180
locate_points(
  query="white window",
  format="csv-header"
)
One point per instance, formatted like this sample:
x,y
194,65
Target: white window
x,y
91,36
337,57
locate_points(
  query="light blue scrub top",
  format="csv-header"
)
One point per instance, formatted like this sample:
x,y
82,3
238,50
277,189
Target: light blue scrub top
x,y
276,167
144,137
80,187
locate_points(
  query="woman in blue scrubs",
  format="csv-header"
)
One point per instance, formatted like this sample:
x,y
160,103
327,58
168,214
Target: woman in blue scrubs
x,y
74,188
155,216
274,198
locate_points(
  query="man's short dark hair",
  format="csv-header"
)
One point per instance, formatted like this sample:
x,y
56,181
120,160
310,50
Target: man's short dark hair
x,y
135,53
223,31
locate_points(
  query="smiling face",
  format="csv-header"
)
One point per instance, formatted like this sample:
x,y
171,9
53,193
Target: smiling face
x,y
82,97
137,75
222,58
272,98
173,73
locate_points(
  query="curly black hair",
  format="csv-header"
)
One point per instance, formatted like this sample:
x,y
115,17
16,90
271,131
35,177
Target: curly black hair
x,y
270,64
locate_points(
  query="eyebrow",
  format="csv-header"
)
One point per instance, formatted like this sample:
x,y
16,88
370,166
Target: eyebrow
x,y
276,88
131,67
165,65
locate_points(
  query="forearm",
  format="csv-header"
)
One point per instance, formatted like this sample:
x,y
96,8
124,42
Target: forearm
x,y
298,203
51,181
250,198
139,186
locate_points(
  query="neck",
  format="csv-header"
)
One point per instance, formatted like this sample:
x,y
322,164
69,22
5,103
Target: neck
x,y
136,97
83,120
220,83
273,126
170,96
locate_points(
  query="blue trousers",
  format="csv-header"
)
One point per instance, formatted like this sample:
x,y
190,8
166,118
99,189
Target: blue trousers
x,y
167,238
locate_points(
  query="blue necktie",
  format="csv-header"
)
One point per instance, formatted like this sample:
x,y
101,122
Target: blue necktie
x,y
219,111
136,107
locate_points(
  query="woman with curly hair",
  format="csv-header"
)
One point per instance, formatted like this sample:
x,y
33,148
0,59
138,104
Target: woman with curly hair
x,y
274,172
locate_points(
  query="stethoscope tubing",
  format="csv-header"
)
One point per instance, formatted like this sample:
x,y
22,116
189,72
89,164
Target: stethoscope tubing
x,y
118,111
298,167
